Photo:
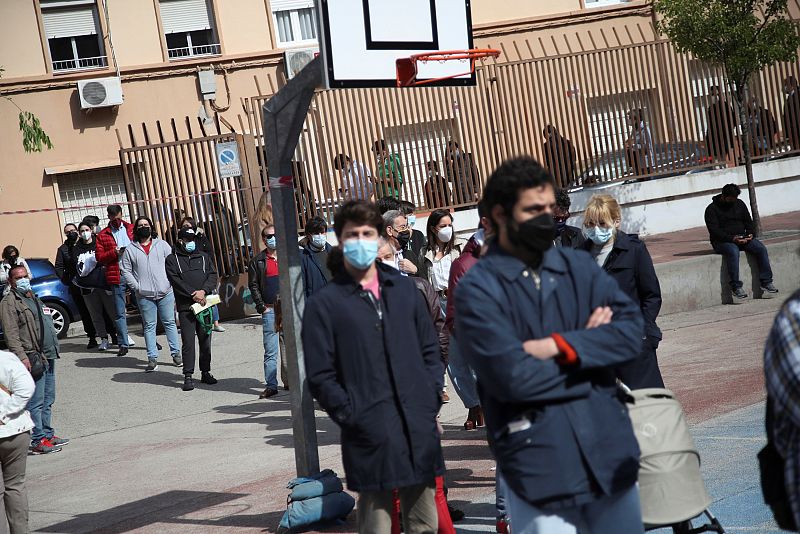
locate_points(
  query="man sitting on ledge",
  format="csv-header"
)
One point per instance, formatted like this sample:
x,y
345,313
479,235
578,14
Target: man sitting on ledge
x,y
730,228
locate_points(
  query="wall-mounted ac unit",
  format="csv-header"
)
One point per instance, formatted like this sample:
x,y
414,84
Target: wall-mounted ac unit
x,y
298,58
100,92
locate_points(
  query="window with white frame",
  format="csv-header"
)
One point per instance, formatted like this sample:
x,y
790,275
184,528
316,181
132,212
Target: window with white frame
x,y
188,28
73,36
295,22
603,3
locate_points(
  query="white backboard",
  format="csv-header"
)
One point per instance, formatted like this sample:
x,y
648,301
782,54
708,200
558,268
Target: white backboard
x,y
361,39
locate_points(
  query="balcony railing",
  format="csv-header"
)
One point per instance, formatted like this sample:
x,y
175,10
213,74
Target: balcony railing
x,y
84,63
194,51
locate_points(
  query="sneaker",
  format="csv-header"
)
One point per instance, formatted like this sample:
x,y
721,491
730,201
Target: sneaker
x,y
218,328
92,344
41,447
103,345
455,514
57,442
131,342
208,378
177,361
267,393
122,351
739,293
769,288
502,526
188,383
152,365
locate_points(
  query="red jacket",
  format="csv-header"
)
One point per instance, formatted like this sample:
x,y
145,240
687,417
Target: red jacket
x,y
469,257
106,252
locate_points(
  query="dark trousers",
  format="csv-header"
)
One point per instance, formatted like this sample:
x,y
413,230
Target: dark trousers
x,y
189,329
88,325
730,253
643,372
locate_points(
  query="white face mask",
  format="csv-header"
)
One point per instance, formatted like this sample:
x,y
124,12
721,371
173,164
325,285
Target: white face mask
x,y
445,234
86,235
391,263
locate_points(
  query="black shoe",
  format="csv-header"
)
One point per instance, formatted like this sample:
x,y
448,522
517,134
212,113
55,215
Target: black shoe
x,y
769,288
92,344
739,293
208,378
455,514
188,383
267,393
122,351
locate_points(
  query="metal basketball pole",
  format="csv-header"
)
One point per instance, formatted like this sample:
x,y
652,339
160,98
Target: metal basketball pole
x,y
284,115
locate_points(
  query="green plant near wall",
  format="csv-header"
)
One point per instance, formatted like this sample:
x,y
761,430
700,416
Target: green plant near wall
x,y
741,36
34,138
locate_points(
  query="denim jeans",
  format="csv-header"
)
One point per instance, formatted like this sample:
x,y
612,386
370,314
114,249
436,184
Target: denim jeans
x,y
152,310
214,314
271,349
730,254
620,512
41,403
462,377
119,319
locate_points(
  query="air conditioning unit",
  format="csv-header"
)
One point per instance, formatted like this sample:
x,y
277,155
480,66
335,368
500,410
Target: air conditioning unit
x,y
298,58
100,92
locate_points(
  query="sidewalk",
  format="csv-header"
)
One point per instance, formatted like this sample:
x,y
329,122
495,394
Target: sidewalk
x,y
147,457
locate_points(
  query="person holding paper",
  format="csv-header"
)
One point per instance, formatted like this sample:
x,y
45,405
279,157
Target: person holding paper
x,y
193,276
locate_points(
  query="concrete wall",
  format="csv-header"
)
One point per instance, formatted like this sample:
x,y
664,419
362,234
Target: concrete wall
x,y
678,203
484,11
20,46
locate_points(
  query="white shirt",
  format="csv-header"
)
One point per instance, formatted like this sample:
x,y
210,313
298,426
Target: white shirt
x,y
15,378
121,236
357,182
441,272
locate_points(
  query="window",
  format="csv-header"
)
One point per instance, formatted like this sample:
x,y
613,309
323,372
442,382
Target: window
x,y
603,3
72,34
295,22
97,187
188,28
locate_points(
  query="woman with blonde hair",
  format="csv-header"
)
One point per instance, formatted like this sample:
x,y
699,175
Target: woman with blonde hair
x,y
626,259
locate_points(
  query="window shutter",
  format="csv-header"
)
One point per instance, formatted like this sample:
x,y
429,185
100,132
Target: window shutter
x,y
184,15
68,19
287,5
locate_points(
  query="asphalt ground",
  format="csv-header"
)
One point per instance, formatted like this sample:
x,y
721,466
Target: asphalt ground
x,y
148,457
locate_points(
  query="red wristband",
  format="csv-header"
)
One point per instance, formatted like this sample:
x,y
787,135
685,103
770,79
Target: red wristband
x,y
568,355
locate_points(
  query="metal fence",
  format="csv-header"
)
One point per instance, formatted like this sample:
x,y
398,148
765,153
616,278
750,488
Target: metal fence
x,y
633,112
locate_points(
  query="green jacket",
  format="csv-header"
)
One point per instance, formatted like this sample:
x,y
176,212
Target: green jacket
x,y
390,177
21,327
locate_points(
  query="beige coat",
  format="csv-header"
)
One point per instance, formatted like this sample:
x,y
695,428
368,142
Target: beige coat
x,y
20,325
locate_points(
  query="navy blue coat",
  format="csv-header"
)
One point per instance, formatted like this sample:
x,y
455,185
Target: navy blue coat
x,y
314,275
580,444
379,378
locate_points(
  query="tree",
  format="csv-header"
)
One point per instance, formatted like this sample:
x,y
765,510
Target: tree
x,y
34,138
742,37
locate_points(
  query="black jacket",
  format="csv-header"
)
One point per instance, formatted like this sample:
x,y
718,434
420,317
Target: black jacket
x,y
65,262
725,221
257,282
379,377
571,237
314,267
629,263
189,273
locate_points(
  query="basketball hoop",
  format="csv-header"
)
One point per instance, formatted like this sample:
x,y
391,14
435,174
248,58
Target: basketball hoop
x,y
407,66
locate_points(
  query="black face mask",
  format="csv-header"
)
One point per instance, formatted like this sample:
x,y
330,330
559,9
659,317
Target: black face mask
x,y
534,235
143,232
403,238
72,236
560,227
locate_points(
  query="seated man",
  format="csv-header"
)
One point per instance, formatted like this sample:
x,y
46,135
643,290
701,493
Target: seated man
x,y
731,230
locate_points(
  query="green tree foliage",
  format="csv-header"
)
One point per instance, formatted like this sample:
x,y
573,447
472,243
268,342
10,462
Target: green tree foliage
x,y
742,37
34,138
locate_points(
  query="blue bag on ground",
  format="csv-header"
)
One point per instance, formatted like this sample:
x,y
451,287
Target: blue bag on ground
x,y
316,499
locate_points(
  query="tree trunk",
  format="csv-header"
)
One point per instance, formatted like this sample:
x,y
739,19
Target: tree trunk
x,y
742,93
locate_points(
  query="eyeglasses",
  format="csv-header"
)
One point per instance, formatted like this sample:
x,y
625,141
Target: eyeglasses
x,y
401,228
268,236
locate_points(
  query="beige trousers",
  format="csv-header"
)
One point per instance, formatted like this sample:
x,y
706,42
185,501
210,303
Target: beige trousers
x,y
13,459
417,504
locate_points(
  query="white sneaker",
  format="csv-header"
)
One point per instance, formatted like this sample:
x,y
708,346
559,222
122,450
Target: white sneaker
x,y
218,328
131,342
103,345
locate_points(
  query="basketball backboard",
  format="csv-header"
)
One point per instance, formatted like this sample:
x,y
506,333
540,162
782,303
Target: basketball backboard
x,y
361,40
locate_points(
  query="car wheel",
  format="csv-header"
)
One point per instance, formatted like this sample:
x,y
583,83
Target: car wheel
x,y
60,319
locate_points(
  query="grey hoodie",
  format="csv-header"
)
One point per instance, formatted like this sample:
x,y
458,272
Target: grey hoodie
x,y
145,273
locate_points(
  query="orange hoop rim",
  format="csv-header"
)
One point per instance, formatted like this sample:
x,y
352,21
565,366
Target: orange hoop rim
x,y
407,67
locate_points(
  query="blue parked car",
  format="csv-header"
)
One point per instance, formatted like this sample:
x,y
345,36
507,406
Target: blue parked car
x,y
54,293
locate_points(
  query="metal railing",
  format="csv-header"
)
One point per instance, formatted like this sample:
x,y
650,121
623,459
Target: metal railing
x,y
84,63
193,51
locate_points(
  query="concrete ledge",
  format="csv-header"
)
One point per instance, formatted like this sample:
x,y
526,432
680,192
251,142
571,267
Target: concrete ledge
x,y
702,281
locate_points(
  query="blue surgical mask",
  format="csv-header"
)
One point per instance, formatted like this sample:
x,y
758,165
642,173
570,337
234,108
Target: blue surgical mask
x,y
190,246
23,285
319,240
360,253
272,243
598,234
411,220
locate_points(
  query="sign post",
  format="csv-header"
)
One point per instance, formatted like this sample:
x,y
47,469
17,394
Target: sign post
x,y
284,115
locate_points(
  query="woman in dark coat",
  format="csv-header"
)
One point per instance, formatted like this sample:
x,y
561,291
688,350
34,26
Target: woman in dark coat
x,y
627,260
